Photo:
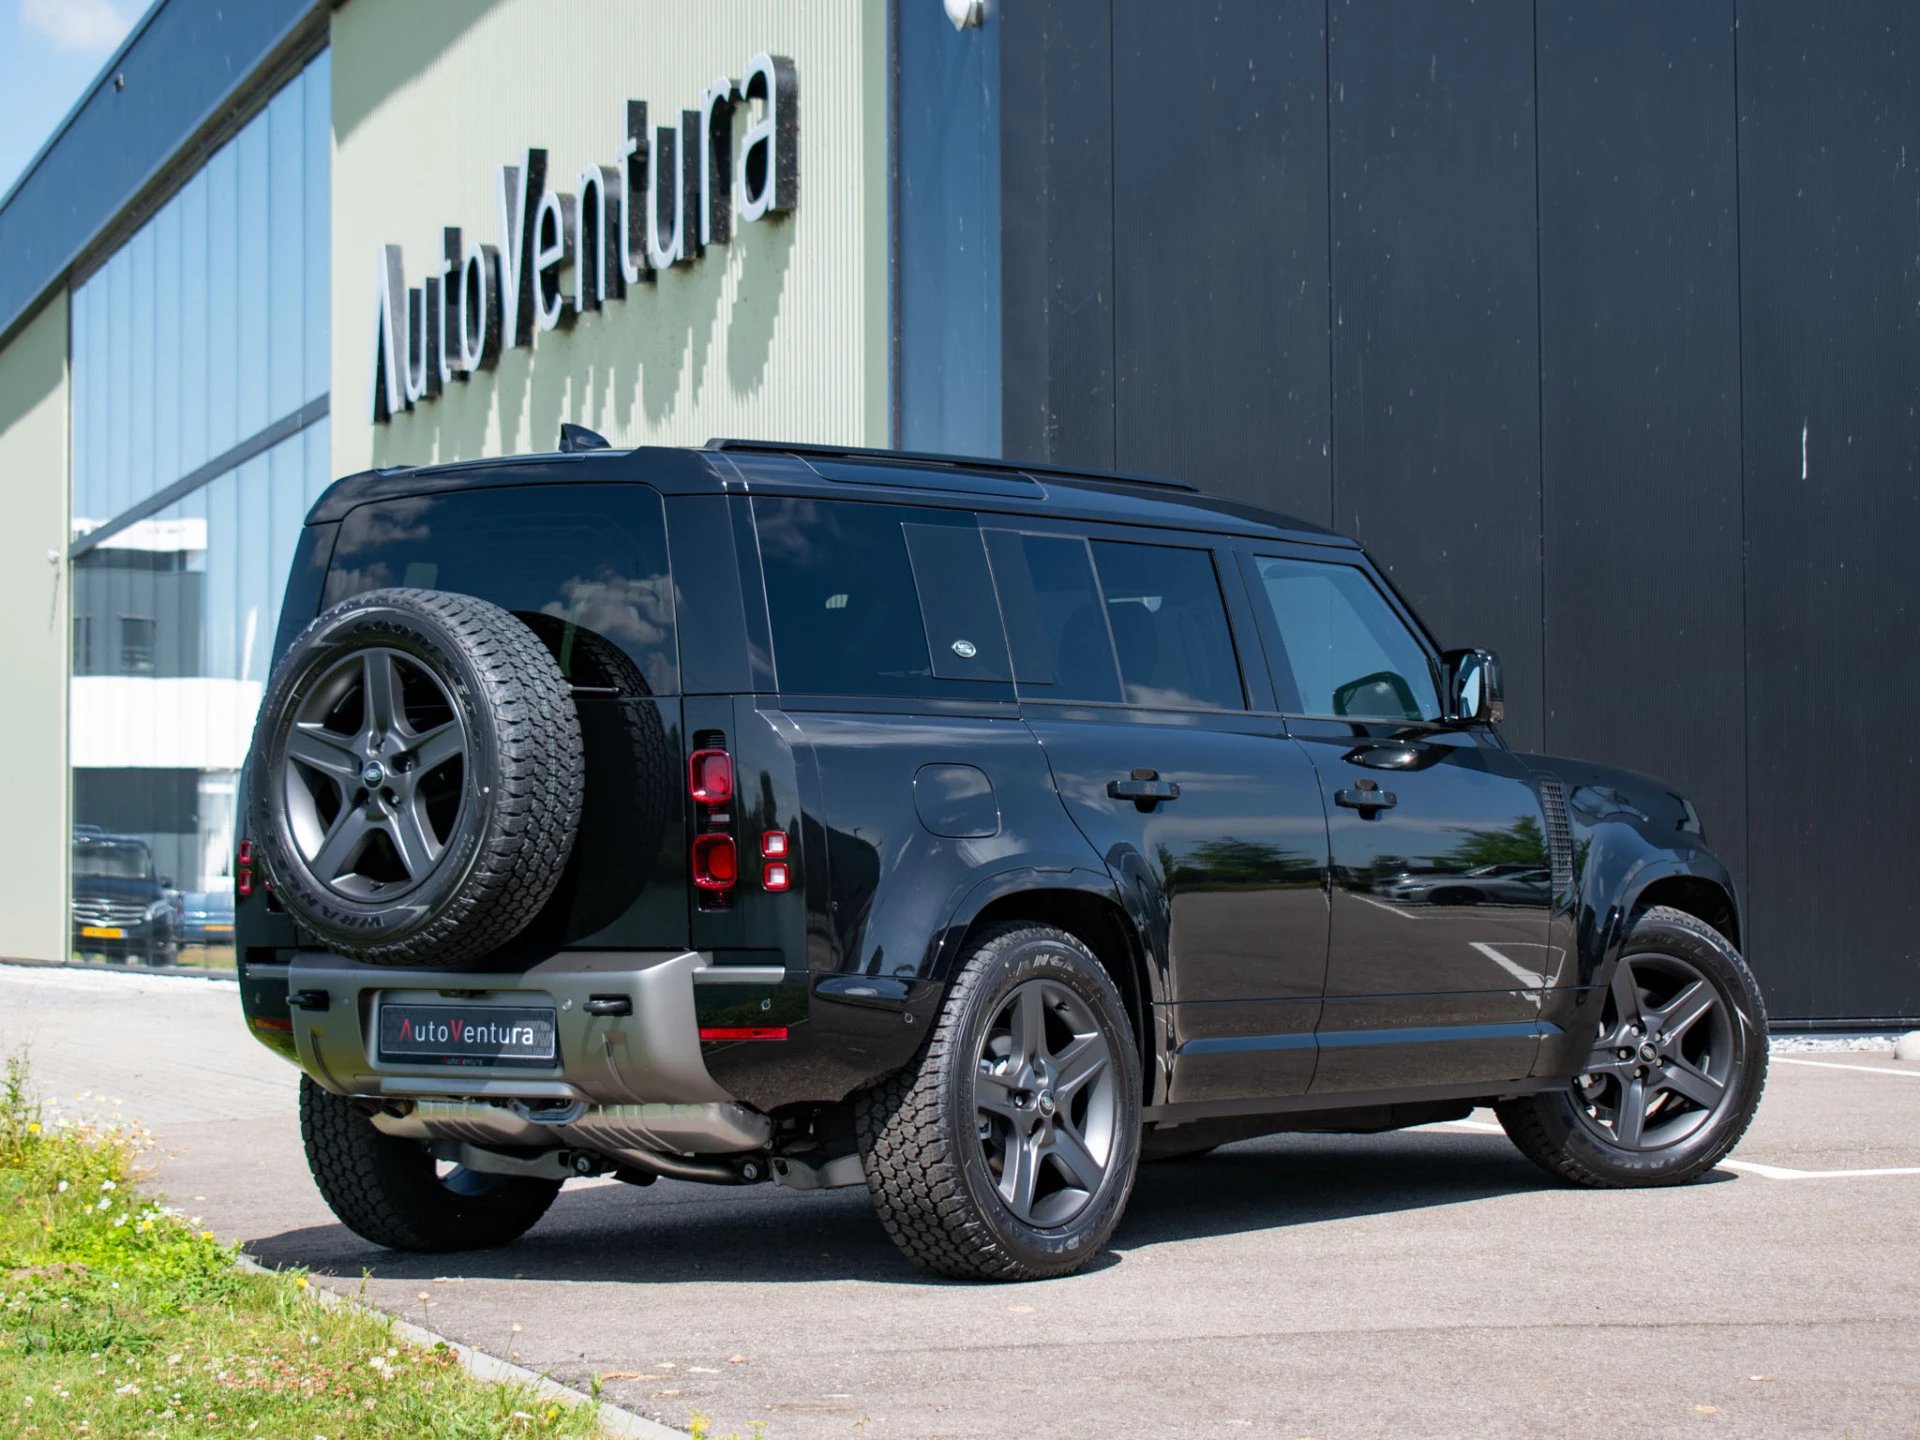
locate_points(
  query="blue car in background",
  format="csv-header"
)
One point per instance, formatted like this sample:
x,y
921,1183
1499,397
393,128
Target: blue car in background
x,y
207,918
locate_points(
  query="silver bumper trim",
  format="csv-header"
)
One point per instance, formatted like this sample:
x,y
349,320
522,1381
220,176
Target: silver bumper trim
x,y
649,1057
675,1129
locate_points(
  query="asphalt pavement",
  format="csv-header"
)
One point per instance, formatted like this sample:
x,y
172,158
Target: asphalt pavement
x,y
1428,1283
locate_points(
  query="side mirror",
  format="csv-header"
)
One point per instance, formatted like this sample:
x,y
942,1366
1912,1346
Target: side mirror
x,y
1474,693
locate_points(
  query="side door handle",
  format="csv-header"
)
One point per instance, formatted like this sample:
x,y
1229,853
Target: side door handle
x,y
1367,797
1145,788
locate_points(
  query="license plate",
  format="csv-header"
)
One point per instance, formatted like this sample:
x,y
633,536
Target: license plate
x,y
468,1034
102,932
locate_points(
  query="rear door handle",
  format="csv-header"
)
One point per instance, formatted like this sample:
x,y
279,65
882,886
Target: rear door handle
x,y
1367,797
1145,788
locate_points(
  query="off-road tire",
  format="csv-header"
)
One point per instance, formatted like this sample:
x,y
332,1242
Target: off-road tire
x,y
523,778
386,1189
918,1132
1549,1132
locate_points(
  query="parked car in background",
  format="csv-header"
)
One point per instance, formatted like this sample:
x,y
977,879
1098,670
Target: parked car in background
x,y
121,909
207,918
1508,884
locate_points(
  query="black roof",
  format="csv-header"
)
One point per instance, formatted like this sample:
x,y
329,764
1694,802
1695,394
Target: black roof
x,y
765,467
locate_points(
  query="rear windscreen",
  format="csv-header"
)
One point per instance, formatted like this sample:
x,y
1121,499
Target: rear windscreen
x,y
584,565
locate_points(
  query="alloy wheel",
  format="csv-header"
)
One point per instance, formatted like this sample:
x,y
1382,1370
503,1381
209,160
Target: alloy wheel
x,y
377,755
1663,1064
1046,1099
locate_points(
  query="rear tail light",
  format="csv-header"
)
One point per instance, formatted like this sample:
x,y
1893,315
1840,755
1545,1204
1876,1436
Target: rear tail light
x,y
773,845
716,865
710,777
744,1032
243,868
776,876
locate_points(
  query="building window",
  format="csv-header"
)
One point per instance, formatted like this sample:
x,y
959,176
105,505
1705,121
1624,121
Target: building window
x,y
195,345
136,644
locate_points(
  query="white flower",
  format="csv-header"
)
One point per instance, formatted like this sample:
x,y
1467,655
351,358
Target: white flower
x,y
108,1185
62,1188
105,1204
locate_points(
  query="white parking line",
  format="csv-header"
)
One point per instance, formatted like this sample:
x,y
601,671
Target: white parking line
x,y
1752,1167
1529,978
1835,1065
1390,909
1781,1172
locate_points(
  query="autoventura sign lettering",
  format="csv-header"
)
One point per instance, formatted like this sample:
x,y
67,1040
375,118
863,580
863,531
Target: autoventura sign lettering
x,y
676,190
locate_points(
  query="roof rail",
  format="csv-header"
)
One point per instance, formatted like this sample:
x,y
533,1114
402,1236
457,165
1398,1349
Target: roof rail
x,y
972,462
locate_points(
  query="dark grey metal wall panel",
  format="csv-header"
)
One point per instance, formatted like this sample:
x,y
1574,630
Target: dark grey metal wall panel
x,y
1220,259
1056,127
1436,396
181,66
1830,294
1640,402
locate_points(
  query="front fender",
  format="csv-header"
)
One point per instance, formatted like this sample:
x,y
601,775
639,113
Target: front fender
x,y
1629,835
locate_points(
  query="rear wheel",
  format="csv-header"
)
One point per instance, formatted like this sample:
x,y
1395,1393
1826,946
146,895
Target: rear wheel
x,y
1007,1152
392,1192
1678,1064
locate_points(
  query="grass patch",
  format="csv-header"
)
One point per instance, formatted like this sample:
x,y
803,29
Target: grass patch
x,y
119,1319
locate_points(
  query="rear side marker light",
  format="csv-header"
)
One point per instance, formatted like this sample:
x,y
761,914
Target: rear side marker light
x,y
744,1032
773,845
776,876
278,1027
243,869
710,777
716,866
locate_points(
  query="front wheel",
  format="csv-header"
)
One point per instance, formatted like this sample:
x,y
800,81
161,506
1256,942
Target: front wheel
x,y
1678,1064
391,1191
1008,1150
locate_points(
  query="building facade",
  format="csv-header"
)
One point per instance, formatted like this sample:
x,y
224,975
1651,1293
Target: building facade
x,y
1599,325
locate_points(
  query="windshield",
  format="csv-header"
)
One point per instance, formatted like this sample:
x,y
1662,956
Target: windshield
x,y
114,859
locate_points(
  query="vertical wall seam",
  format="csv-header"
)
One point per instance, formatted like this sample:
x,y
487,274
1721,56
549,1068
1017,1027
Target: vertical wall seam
x,y
1113,256
894,401
1740,450
1540,386
1333,389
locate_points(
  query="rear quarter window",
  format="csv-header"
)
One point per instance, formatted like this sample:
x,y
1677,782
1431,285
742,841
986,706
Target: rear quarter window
x,y
890,600
584,565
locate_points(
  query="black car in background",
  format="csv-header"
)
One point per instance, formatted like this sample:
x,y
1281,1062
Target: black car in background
x,y
967,830
121,909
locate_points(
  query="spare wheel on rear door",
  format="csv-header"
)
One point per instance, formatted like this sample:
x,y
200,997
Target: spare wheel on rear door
x,y
416,778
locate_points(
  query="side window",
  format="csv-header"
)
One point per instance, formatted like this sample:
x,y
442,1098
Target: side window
x,y
1055,625
877,599
1346,654
1169,627
584,565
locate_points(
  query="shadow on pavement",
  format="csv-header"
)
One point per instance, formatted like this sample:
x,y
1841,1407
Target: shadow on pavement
x,y
673,1233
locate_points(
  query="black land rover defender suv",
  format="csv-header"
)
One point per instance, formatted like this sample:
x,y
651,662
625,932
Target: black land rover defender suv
x,y
969,830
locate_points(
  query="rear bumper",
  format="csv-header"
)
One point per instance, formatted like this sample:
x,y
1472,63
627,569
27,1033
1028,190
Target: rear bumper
x,y
649,1056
